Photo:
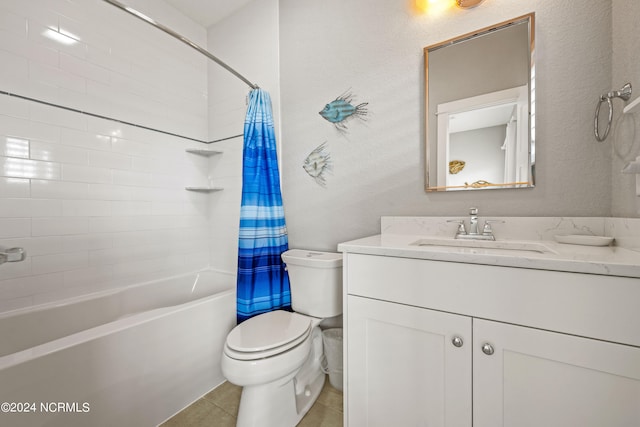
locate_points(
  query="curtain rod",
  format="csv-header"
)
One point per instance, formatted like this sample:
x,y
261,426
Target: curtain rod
x,y
183,39
99,116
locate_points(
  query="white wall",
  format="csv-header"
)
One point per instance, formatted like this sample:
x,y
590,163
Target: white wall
x,y
96,203
626,68
248,42
481,149
375,48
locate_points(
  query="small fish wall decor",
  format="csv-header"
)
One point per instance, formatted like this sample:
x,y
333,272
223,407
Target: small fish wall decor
x,y
341,109
318,164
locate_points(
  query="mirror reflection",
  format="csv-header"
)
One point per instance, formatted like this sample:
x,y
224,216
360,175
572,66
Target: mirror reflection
x,y
480,109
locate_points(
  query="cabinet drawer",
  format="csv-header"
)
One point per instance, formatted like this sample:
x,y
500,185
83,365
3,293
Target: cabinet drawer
x,y
602,307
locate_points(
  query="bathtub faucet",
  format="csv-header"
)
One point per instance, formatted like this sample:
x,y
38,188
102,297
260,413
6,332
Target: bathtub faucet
x,y
13,255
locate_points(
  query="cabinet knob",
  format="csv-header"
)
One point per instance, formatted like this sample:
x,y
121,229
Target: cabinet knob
x,y
487,349
457,341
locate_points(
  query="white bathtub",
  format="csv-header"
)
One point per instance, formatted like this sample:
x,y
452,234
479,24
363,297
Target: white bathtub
x,y
131,357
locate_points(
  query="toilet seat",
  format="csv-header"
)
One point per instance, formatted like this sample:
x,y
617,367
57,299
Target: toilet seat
x,y
267,335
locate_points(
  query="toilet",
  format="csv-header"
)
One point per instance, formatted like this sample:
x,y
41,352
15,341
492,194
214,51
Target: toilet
x,y
276,356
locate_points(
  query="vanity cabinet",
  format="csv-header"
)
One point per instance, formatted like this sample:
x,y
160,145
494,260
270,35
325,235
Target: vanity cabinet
x,y
403,369
541,378
432,343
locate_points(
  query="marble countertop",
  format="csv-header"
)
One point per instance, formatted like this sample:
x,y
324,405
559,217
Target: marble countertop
x,y
603,260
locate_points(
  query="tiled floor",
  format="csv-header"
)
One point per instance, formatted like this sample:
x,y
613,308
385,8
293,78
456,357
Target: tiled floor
x,y
219,408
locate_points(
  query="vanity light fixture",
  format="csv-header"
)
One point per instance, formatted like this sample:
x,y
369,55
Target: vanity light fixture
x,y
467,4
434,7
439,6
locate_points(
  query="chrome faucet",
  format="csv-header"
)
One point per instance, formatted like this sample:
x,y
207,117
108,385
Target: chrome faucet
x,y
12,255
473,233
473,221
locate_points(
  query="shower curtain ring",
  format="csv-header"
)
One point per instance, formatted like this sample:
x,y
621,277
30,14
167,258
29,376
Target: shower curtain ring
x,y
599,138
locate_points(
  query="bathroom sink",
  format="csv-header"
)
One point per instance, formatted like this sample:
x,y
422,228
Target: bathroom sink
x,y
503,245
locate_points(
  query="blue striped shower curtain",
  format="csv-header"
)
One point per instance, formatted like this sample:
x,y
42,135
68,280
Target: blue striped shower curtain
x,y
263,283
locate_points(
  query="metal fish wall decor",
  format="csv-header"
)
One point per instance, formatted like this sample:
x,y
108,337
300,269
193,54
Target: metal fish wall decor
x,y
318,164
341,109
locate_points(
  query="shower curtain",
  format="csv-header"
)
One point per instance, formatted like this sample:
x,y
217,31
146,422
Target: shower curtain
x,y
510,147
263,283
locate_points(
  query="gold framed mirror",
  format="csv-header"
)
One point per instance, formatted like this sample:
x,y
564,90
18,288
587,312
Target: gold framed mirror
x,y
480,114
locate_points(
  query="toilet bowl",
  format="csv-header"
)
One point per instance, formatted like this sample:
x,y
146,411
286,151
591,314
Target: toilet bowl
x,y
276,356
252,360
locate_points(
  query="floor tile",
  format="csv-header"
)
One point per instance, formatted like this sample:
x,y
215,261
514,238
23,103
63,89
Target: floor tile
x,y
200,414
321,416
226,396
330,397
219,408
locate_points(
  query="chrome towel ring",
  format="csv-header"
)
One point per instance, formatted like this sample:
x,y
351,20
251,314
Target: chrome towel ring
x,y
624,93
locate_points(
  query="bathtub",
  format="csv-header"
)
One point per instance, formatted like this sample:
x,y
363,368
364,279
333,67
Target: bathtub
x,y
129,357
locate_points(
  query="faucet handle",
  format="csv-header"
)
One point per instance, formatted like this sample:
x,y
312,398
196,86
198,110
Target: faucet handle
x,y
13,255
487,230
460,222
473,211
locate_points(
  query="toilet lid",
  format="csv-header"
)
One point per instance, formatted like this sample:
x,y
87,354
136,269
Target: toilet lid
x,y
269,331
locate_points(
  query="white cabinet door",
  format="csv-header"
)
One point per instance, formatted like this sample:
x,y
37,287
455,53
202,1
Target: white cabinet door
x,y
403,368
537,378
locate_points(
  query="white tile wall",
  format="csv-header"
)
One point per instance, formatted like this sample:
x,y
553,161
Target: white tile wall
x,y
254,52
97,203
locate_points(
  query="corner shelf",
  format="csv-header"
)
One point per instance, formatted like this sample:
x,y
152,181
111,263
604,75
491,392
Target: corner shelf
x,y
632,107
204,189
203,151
208,153
632,167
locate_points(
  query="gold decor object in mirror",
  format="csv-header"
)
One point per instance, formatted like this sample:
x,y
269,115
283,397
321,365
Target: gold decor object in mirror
x,y
486,115
456,166
479,184
466,4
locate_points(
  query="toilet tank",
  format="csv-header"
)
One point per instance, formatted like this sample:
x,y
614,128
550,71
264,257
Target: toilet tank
x,y
316,282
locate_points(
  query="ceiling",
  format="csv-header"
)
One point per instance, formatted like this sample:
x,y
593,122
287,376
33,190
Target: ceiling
x,y
207,12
